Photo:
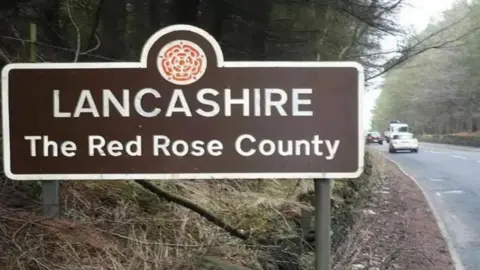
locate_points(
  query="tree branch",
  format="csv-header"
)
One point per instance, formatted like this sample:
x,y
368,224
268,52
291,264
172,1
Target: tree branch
x,y
362,28
405,58
5,57
192,206
93,30
77,29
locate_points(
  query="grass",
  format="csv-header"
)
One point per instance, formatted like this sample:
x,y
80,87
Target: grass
x,y
117,225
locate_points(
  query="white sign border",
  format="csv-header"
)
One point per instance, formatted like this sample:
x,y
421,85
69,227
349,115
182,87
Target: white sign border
x,y
143,64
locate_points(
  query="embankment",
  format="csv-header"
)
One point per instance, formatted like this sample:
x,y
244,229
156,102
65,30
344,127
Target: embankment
x,y
120,225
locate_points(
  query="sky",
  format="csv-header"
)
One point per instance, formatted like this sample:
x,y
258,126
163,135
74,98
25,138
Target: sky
x,y
416,14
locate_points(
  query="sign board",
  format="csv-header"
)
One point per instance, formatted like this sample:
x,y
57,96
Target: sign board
x,y
182,112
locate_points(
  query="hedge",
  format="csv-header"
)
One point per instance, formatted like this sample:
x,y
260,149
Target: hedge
x,y
473,141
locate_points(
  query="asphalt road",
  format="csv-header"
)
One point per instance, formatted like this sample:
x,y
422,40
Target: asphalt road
x,y
450,179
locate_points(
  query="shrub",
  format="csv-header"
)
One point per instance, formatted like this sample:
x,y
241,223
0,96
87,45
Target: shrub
x,y
473,141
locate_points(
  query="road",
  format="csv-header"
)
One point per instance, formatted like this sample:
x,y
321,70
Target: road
x,y
450,178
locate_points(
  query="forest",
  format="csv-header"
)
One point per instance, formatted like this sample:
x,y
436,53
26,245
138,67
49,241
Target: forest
x,y
112,30
436,92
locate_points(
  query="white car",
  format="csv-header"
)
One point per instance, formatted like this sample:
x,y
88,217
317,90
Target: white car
x,y
394,128
403,141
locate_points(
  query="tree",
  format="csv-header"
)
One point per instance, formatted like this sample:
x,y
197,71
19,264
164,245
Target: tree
x,y
107,30
435,92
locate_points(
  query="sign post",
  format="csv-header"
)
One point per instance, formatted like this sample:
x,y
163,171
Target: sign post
x,y
51,198
50,188
182,112
322,223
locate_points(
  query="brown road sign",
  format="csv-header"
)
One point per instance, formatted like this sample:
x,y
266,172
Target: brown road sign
x,y
182,112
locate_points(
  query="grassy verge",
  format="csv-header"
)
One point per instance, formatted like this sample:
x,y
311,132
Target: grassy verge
x,y
118,225
465,139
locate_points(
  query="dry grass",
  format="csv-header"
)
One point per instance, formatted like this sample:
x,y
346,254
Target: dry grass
x,y
396,229
117,225
361,237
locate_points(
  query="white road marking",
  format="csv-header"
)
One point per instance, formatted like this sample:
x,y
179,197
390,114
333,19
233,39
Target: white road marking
x,y
440,193
460,157
436,179
434,152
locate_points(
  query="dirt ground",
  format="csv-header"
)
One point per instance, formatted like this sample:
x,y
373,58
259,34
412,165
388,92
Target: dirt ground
x,y
401,230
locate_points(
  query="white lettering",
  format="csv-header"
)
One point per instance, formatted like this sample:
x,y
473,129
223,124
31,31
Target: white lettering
x,y
201,98
182,148
134,148
56,106
86,99
33,145
96,143
291,148
50,147
244,101
332,150
138,102
207,102
296,101
163,146
109,98
270,103
68,149
214,148
238,145
178,96
197,148
258,102
316,145
268,147
114,148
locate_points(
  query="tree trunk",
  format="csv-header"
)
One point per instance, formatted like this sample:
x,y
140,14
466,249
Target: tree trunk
x,y
217,13
185,11
114,16
259,33
53,31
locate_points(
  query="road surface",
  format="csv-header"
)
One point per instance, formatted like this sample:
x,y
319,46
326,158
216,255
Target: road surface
x,y
450,178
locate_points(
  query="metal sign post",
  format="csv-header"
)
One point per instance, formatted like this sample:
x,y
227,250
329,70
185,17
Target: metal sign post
x,y
51,198
50,188
322,224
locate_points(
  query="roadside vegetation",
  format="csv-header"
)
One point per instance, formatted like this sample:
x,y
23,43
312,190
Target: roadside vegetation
x,y
437,92
379,221
465,139
121,225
